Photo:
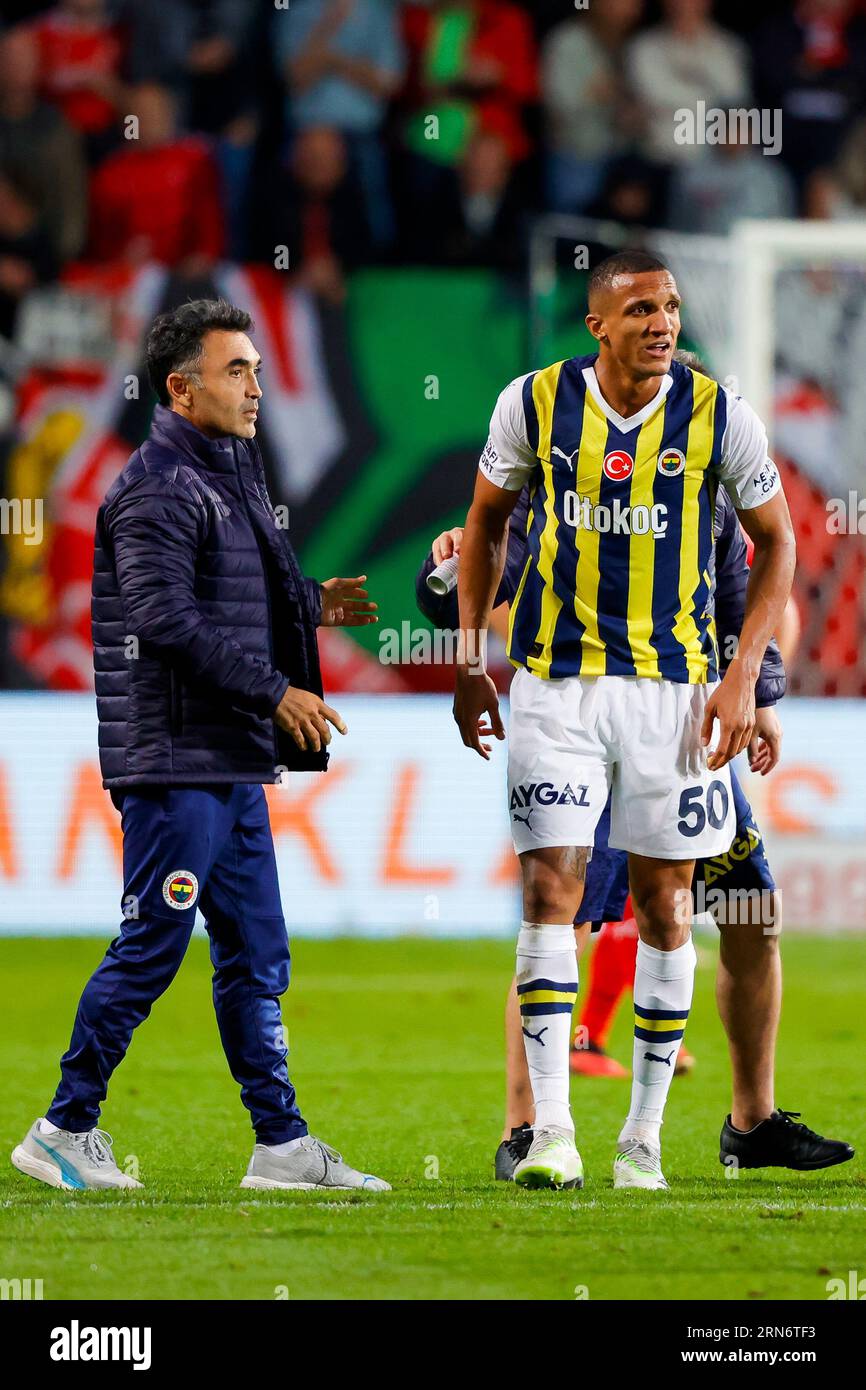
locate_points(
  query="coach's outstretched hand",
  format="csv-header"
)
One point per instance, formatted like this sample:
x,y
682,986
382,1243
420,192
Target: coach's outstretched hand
x,y
306,717
733,704
474,698
343,603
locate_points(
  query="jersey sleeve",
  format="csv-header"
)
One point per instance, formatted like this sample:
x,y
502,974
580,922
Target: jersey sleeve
x,y
746,469
509,459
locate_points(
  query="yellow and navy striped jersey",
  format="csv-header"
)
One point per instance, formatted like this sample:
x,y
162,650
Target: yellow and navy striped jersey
x,y
618,574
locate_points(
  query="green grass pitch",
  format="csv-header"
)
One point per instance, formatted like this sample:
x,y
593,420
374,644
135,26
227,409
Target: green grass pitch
x,y
396,1052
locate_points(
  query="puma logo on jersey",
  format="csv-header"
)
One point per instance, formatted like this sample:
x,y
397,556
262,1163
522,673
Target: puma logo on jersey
x,y
567,457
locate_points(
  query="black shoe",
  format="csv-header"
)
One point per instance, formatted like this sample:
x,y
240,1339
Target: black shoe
x,y
511,1152
778,1142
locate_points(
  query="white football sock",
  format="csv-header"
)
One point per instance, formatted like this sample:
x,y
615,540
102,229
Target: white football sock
x,y
282,1149
46,1127
663,985
546,991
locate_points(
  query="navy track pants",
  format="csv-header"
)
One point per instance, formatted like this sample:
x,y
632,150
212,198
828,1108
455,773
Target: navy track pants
x,y
184,847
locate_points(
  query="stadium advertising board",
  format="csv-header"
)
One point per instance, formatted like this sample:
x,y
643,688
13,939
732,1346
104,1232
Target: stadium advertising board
x,y
407,833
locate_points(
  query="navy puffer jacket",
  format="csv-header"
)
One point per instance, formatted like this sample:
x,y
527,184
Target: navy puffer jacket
x,y
201,617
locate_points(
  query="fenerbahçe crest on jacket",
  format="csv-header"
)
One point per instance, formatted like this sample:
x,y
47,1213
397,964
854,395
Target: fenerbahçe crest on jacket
x,y
617,579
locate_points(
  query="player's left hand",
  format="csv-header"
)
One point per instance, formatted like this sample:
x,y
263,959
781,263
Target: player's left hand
x,y
733,704
343,603
476,709
765,745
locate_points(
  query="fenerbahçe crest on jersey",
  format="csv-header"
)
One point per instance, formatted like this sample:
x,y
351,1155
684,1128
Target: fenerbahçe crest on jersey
x,y
619,533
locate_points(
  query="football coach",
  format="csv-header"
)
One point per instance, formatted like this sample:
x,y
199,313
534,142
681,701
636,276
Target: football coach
x,y
207,686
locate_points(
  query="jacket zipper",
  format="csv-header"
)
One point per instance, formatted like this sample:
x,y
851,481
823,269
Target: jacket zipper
x,y
176,704
264,564
303,603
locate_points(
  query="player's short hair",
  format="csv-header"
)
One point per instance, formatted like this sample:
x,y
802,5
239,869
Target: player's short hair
x,y
621,263
174,343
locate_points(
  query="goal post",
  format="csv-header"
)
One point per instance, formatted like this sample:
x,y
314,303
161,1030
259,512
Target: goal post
x,y
760,252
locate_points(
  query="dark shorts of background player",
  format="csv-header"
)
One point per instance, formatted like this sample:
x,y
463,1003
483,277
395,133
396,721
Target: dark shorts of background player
x,y
744,866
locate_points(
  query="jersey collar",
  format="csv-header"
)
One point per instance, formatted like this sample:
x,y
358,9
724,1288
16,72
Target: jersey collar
x,y
626,423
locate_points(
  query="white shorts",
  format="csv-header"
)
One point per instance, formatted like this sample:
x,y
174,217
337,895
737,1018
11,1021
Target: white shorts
x,y
573,741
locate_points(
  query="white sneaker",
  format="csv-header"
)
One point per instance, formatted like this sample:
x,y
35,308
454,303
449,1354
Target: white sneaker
x,y
310,1164
72,1161
639,1164
552,1161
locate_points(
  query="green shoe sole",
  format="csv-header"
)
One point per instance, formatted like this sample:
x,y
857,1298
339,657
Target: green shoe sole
x,y
539,1175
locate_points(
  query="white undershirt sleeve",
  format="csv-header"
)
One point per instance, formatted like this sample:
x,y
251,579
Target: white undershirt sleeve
x,y
746,468
508,459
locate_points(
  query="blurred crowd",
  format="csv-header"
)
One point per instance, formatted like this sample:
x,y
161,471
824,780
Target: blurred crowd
x,y
352,132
